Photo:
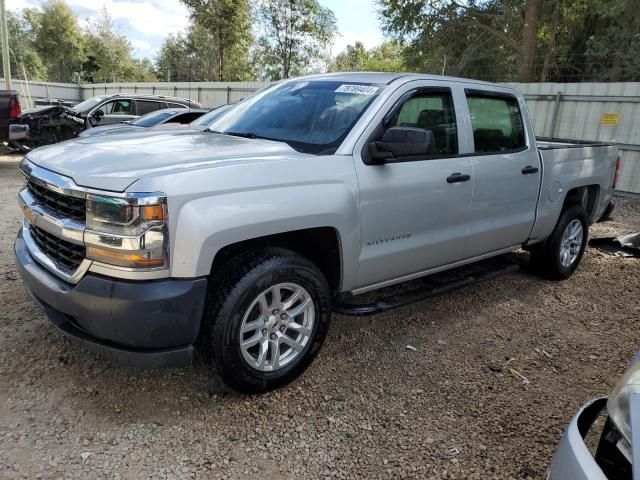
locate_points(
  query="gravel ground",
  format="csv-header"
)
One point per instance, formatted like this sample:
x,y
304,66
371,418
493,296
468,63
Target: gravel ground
x,y
368,407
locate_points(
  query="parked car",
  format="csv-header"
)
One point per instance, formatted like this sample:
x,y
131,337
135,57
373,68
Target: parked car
x,y
168,116
9,110
615,454
240,240
51,124
205,121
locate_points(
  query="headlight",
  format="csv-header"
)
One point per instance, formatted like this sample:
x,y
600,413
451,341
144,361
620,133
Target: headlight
x,y
618,403
127,231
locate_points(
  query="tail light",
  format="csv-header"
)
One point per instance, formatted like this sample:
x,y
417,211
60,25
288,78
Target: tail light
x,y
14,108
615,176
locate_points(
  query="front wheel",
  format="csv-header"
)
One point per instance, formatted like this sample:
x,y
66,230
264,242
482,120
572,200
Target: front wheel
x,y
267,316
561,253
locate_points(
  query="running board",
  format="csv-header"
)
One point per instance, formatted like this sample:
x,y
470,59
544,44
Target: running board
x,y
417,295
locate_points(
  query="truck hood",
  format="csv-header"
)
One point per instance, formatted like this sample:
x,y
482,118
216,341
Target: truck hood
x,y
114,162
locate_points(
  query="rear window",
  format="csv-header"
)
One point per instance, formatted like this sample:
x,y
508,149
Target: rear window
x,y
497,123
185,117
153,118
175,105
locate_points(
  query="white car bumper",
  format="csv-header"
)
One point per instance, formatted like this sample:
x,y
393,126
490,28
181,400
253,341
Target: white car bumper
x,y
572,459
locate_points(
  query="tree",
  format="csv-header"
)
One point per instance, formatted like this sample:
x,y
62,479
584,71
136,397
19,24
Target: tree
x,y
58,40
387,57
526,61
227,24
109,57
294,36
24,58
476,38
193,57
524,40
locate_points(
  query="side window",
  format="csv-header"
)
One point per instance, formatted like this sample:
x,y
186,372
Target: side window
x,y
185,117
145,106
497,123
430,111
117,107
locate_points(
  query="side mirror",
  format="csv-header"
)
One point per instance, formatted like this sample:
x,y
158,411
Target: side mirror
x,y
98,114
401,142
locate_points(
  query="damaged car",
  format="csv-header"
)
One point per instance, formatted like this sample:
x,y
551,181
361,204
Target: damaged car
x,y
55,123
616,455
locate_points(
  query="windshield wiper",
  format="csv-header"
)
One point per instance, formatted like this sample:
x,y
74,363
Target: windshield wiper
x,y
250,135
246,135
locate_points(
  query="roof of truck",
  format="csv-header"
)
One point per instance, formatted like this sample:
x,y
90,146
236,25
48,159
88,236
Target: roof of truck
x,y
388,78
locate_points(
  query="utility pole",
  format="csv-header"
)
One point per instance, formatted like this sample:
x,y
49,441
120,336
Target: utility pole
x,y
6,65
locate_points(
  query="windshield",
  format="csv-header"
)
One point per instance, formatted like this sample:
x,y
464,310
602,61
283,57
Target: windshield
x,y
207,119
87,105
310,116
154,118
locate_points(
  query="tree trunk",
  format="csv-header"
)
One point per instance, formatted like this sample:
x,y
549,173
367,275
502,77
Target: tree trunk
x,y
526,67
551,47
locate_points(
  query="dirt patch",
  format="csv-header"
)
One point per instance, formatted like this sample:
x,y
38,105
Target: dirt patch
x,y
368,407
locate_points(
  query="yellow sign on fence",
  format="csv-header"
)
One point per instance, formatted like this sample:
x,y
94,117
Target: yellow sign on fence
x,y
609,119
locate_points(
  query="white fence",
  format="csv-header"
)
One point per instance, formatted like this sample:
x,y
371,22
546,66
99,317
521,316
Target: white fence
x,y
607,112
32,91
209,94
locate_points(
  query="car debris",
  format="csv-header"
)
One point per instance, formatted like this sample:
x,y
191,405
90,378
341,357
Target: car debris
x,y
542,351
44,125
623,246
516,373
412,348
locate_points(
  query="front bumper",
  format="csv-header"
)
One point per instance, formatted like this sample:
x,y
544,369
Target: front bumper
x,y
146,324
572,459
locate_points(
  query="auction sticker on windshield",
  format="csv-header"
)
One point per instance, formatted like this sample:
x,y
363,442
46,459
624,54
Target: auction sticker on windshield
x,y
357,89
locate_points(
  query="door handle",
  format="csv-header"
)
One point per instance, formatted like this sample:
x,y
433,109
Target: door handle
x,y
528,170
458,177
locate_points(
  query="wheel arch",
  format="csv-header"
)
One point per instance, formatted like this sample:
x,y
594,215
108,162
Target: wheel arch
x,y
586,196
321,245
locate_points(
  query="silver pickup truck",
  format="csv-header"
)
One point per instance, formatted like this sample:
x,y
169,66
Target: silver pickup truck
x,y
238,242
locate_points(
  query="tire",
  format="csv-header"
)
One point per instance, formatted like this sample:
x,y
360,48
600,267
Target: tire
x,y
231,305
549,257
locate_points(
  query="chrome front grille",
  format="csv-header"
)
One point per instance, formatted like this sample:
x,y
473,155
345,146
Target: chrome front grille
x,y
57,204
66,255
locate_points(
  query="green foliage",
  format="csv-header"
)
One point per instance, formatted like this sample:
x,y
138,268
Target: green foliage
x,y
109,56
387,57
573,40
294,36
194,57
25,60
59,41
220,36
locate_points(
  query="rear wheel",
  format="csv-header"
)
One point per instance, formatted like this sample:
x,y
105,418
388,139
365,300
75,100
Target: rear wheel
x,y
560,255
267,316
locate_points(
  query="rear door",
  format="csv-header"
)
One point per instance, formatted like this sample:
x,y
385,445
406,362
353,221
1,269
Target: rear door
x,y
413,211
506,171
147,106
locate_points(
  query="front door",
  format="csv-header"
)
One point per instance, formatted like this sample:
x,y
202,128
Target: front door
x,y
506,172
414,210
116,111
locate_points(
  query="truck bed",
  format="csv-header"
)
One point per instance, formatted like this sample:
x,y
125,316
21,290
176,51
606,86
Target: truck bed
x,y
552,143
567,164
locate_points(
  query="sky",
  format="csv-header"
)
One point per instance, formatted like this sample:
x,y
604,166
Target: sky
x,y
148,22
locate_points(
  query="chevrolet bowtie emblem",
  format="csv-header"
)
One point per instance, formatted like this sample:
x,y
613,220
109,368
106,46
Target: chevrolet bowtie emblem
x,y
28,214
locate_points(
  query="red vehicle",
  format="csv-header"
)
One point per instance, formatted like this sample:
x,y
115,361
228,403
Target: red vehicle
x,y
10,110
